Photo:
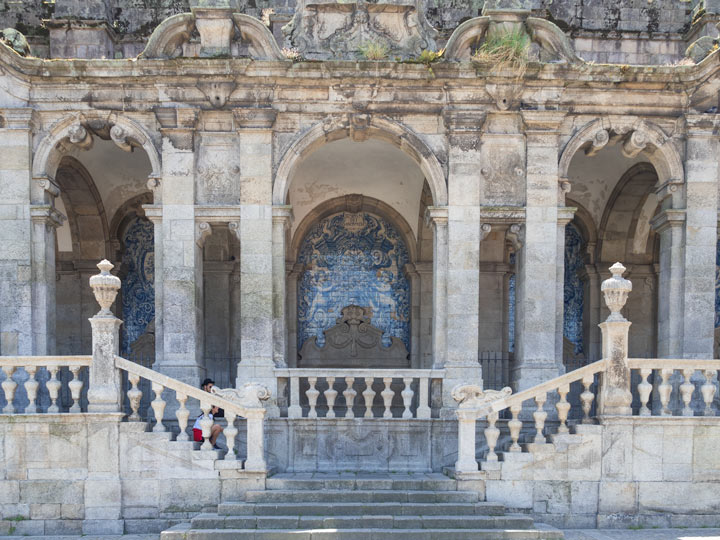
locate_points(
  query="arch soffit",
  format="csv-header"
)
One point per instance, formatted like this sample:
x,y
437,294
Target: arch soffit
x,y
632,174
349,203
48,155
654,143
77,169
361,129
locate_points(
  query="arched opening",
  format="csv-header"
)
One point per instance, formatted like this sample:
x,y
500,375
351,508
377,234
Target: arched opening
x,y
357,240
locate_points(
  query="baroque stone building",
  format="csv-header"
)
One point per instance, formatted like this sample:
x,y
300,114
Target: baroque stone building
x,y
353,185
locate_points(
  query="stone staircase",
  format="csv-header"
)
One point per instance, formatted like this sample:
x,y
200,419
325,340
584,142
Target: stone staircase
x,y
355,506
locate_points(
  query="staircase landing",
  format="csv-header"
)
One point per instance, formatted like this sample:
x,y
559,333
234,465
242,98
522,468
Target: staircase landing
x,y
361,506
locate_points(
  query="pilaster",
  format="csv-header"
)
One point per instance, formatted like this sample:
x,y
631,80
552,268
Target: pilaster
x,y
281,218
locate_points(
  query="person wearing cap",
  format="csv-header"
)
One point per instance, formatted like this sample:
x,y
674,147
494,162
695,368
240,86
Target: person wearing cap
x,y
215,412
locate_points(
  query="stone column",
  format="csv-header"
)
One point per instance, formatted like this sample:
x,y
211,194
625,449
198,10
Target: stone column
x,y
669,224
178,277
701,178
425,274
255,231
615,396
16,306
591,313
438,217
293,275
281,216
537,297
104,392
414,278
465,232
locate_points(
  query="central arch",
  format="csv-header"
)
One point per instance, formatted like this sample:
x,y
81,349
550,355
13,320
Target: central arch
x,y
360,128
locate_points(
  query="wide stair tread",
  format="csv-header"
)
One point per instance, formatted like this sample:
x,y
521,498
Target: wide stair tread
x,y
320,506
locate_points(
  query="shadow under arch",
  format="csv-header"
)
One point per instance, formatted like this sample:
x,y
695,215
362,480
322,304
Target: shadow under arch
x,y
375,128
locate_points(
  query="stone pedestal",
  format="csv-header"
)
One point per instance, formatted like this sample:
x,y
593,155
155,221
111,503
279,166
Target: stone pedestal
x,y
615,396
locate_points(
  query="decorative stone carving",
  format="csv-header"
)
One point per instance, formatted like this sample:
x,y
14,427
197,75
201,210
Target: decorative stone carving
x,y
598,142
322,28
635,144
168,38
354,342
217,92
250,396
470,396
702,47
105,287
15,40
120,137
616,290
202,232
80,136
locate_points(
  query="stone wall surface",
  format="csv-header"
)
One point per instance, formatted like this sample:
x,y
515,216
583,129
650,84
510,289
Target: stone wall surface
x,y
640,472
636,32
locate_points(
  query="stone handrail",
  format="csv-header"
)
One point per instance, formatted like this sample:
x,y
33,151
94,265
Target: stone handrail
x,y
666,368
474,403
366,377
53,364
244,402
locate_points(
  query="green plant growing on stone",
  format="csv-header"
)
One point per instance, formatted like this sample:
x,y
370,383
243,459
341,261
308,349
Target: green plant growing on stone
x,y
505,50
427,57
374,50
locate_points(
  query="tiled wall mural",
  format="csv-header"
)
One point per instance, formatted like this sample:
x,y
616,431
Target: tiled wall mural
x,y
574,293
353,258
138,288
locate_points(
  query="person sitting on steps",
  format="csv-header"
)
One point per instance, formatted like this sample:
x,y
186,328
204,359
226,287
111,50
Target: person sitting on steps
x,y
215,412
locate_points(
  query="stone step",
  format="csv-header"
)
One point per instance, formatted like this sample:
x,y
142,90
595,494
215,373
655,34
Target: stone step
x,y
360,508
361,534
367,496
214,521
404,482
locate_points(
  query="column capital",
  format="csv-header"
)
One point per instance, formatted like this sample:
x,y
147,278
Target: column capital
x,y
47,215
261,119
23,118
565,214
485,230
154,184
464,121
437,216
153,212
203,229
542,121
667,219
282,214
44,190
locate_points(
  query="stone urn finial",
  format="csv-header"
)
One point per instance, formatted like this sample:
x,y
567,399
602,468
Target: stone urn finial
x,y
616,290
105,287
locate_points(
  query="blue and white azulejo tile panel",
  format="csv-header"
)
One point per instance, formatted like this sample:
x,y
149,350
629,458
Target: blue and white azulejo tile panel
x,y
573,291
353,258
138,287
717,284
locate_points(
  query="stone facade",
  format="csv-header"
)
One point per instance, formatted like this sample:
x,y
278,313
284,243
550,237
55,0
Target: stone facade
x,y
255,170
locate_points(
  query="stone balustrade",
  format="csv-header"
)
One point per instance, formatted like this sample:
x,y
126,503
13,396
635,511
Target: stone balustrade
x,y
35,384
659,386
243,402
360,393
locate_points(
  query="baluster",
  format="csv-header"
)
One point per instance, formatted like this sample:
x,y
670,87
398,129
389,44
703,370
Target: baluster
x,y
645,389
349,394
330,395
587,398
134,396
369,397
230,433
665,389
540,415
407,395
206,424
563,408
515,425
387,396
53,386
9,386
294,410
491,436
423,410
182,415
158,407
708,392
686,391
31,388
75,385
312,395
